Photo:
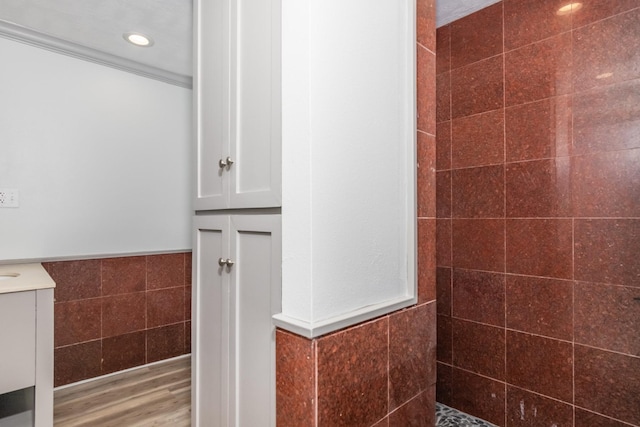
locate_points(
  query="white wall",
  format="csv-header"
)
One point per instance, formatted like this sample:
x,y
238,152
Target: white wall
x,y
101,158
348,208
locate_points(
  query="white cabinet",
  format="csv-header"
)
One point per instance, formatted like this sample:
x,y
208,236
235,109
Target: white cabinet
x,y
26,358
237,275
237,104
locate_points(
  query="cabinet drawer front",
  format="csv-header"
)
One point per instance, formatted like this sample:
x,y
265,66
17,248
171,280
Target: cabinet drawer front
x,y
17,340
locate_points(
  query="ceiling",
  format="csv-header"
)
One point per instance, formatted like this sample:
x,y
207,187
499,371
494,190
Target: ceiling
x,y
93,30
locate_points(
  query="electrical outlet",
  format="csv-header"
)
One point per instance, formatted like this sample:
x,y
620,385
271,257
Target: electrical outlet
x,y
9,198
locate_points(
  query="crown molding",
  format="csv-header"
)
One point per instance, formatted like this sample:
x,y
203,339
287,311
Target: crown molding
x,y
31,37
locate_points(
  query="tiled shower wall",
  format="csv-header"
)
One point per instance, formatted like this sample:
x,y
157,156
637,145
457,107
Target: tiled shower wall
x,y
538,207
380,373
118,313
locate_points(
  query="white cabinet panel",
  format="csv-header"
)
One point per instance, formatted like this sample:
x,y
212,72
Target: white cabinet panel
x,y
234,337
210,372
237,104
17,340
256,290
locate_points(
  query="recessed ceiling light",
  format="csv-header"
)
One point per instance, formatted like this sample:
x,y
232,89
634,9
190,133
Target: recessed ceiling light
x,y
138,39
569,8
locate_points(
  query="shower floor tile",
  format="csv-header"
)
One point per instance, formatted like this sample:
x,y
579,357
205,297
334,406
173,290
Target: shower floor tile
x,y
449,417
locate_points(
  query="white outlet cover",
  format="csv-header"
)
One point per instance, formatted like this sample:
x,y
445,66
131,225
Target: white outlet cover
x,y
9,198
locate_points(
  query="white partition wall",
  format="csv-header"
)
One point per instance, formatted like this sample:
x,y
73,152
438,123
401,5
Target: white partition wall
x,y
348,192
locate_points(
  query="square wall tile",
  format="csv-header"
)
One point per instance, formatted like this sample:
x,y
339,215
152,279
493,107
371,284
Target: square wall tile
x,y
479,296
443,242
123,352
607,184
412,353
77,321
165,306
382,423
445,339
444,384
75,279
529,21
426,23
476,36
165,271
478,244
426,82
606,251
477,88
595,10
443,146
419,411
589,419
540,306
608,317
295,380
165,342
542,365
602,53
539,189
188,290
538,71
478,192
443,97
478,140
122,314
479,348
124,275
607,119
479,396
539,130
77,362
443,194
608,383
443,287
426,260
540,247
426,175
353,380
443,49
187,337
188,268
525,409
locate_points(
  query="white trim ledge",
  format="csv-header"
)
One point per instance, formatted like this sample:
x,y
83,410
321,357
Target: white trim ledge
x,y
316,329
25,35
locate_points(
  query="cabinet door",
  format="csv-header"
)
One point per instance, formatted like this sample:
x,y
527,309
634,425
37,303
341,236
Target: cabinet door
x,y
255,104
255,293
237,104
211,94
18,340
234,336
210,343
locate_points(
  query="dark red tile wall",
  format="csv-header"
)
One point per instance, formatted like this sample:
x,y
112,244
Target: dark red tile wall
x,y
538,213
117,313
381,373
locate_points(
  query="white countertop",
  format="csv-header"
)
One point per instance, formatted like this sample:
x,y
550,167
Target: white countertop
x,y
28,277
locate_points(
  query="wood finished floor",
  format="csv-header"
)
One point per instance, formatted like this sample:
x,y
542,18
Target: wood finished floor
x,y
158,395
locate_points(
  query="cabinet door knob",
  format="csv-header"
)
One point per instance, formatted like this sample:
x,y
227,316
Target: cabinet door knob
x,y
224,163
228,262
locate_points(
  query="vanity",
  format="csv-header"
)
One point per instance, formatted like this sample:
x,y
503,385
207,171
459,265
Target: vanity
x,y
26,346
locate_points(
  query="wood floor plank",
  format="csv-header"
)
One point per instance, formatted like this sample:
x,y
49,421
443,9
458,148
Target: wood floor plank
x,y
156,395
